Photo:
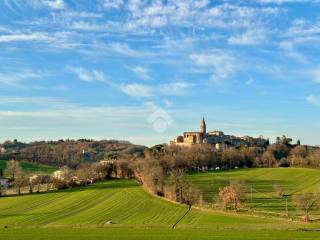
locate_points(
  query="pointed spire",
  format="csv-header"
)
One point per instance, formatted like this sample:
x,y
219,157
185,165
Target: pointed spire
x,y
203,126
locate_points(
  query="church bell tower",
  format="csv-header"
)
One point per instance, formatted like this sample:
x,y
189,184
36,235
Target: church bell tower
x,y
203,127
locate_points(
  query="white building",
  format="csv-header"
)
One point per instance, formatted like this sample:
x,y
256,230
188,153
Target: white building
x,y
3,182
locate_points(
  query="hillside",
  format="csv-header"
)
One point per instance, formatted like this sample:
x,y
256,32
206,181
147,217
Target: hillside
x,y
123,202
68,152
260,186
119,208
31,167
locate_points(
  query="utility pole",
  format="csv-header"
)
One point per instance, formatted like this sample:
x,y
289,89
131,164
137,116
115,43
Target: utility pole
x,y
287,213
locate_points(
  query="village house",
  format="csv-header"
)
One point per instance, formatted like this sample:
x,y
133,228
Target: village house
x,y
217,139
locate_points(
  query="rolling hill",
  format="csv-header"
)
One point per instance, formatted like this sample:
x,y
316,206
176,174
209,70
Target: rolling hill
x,y
260,186
122,209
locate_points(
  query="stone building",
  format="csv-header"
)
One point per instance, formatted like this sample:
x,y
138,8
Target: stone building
x,y
217,139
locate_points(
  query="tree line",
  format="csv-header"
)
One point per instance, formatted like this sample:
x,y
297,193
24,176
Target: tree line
x,y
67,152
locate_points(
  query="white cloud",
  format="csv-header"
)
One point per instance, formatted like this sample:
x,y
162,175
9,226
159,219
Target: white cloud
x,y
141,72
137,90
18,78
289,48
76,14
315,75
313,100
174,89
125,49
221,64
112,4
26,37
168,89
286,1
47,101
302,30
86,26
145,16
87,75
250,37
52,4
133,89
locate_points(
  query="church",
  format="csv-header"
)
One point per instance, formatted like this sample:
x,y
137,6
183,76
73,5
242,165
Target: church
x,y
217,139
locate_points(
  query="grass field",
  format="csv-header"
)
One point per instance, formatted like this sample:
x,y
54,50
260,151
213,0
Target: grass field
x,y
260,182
31,167
152,234
122,209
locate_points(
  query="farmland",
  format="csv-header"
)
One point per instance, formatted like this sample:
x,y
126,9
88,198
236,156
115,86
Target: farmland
x,y
260,186
122,209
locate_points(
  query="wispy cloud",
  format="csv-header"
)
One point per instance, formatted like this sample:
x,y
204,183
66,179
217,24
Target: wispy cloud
x,y
313,100
141,72
127,50
168,89
250,37
133,89
25,37
112,4
41,101
221,64
315,74
18,79
286,1
52,4
137,90
87,75
289,49
86,26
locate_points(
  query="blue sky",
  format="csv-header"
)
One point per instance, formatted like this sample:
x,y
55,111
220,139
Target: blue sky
x,y
146,71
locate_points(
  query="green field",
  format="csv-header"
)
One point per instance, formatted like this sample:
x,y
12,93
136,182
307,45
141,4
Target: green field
x,y
151,234
31,167
260,192
122,209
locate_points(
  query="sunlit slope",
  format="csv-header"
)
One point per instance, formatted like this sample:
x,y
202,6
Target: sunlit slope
x,y
122,202
31,167
260,185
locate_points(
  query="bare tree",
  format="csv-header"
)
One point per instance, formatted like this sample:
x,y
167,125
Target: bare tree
x,y
232,157
12,168
177,181
268,159
102,171
191,195
47,179
232,194
19,180
307,202
85,174
298,156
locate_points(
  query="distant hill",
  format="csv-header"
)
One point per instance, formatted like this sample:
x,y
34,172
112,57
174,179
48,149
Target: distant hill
x,y
68,152
31,167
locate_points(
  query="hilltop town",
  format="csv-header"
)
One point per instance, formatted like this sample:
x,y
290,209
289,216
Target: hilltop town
x,y
217,139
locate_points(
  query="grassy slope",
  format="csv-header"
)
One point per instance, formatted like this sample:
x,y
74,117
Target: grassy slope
x,y
262,180
121,201
82,213
31,167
